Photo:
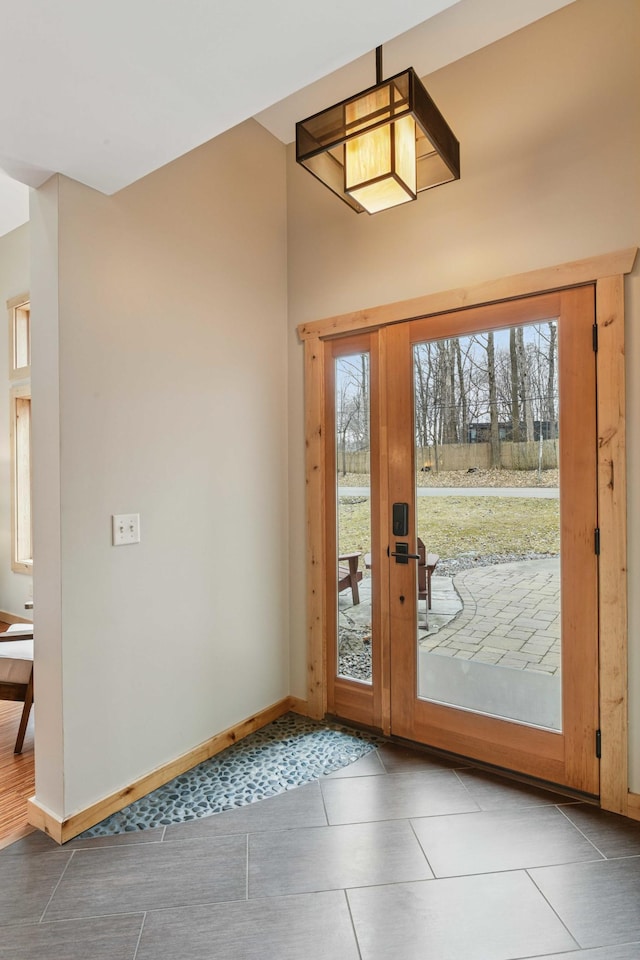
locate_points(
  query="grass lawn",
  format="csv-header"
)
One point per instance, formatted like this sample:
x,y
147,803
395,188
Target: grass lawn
x,y
454,526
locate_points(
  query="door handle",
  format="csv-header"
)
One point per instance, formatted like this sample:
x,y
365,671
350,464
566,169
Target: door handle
x,y
402,554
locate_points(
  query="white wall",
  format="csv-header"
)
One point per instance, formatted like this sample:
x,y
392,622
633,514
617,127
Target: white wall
x,y
171,375
15,588
549,125
45,485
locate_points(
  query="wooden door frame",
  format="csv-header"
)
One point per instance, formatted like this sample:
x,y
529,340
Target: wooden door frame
x,y
607,273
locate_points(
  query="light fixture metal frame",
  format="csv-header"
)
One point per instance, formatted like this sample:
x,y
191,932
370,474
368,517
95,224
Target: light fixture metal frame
x,y
320,138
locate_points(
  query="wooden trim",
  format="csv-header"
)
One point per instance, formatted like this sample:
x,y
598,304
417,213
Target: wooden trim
x,y
570,274
45,821
316,546
349,698
607,273
578,520
612,520
381,613
18,301
329,510
508,313
633,805
63,830
377,488
299,706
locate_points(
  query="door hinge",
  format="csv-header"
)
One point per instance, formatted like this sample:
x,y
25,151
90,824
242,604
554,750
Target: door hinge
x,y
596,541
598,744
595,337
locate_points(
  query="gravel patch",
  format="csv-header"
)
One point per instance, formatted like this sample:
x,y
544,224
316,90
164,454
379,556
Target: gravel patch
x,y
449,568
356,666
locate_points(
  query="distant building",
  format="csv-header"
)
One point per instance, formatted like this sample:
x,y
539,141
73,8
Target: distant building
x,y
480,432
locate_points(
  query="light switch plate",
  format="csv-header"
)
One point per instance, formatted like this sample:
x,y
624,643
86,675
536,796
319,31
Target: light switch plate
x,y
125,528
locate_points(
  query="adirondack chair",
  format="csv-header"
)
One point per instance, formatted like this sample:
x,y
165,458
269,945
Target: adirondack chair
x,y
348,575
426,565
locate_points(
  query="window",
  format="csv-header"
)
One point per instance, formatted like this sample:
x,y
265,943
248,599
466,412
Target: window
x,y
19,337
21,552
20,433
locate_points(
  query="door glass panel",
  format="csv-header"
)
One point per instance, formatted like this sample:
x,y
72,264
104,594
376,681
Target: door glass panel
x,y
353,493
488,524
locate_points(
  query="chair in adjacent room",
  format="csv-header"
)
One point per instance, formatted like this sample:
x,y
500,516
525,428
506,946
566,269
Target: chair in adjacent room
x,y
16,672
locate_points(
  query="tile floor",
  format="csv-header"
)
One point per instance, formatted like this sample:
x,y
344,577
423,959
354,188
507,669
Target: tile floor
x,y
398,856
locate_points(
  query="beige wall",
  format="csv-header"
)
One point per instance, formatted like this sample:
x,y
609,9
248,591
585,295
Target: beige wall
x,y
15,588
549,125
163,345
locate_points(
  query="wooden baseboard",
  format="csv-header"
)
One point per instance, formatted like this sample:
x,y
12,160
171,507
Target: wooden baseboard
x,y
63,830
297,705
633,805
7,617
44,820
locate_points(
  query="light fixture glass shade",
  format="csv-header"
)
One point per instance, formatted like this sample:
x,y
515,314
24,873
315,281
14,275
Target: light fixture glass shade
x,y
381,147
380,166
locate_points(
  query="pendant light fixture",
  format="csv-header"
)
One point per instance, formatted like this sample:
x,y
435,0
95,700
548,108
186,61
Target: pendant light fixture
x,y
381,147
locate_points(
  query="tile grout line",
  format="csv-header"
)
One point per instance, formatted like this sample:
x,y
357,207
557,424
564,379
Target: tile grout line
x,y
53,892
550,905
353,924
424,852
324,805
381,762
246,870
595,847
466,788
135,952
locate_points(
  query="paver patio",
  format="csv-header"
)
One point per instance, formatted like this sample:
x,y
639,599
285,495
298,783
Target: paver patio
x,y
506,614
509,615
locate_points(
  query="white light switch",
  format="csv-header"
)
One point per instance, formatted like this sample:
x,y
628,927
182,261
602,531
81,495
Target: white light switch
x,y
125,528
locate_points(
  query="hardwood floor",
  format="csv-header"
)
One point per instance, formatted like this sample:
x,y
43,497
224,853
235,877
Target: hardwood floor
x,y
17,781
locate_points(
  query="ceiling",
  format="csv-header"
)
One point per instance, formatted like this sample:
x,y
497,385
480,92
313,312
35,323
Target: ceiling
x,y
105,93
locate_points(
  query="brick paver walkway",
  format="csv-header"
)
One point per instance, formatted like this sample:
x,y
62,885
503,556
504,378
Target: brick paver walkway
x,y
510,616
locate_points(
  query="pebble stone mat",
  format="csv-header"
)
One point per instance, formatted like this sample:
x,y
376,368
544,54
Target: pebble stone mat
x,y
286,753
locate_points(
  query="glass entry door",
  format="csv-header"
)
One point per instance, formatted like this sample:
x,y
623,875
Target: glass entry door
x,y
493,616
353,499
461,586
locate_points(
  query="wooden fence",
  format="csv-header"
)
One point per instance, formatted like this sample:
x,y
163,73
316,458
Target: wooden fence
x,y
465,456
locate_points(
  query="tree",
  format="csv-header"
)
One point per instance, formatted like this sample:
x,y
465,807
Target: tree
x,y
515,405
462,391
551,361
352,405
525,385
494,429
